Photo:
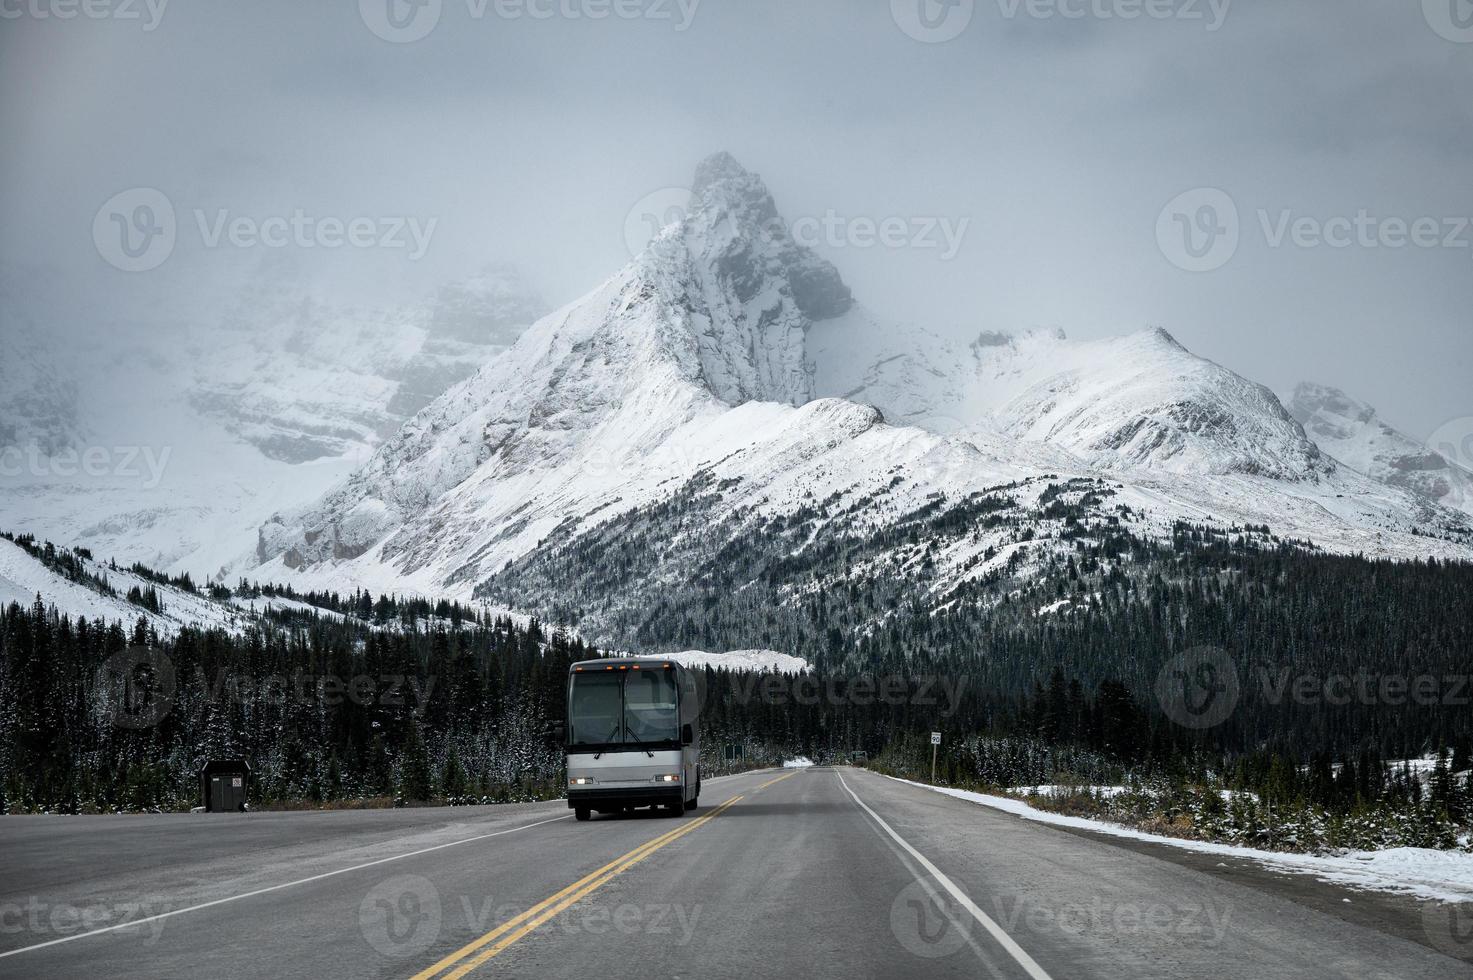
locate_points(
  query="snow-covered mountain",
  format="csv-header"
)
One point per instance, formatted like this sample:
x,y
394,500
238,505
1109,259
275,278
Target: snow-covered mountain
x,y
725,384
1142,401
1351,431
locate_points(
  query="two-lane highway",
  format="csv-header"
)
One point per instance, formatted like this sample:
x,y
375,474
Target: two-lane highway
x,y
817,872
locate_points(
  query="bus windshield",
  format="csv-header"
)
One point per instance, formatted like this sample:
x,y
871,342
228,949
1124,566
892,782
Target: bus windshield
x,y
623,706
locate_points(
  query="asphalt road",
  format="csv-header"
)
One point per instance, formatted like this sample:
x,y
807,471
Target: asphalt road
x,y
812,873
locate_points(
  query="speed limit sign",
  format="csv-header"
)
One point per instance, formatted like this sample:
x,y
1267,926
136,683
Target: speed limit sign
x,y
935,738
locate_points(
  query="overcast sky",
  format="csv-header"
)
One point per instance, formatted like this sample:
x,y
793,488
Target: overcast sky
x,y
1049,145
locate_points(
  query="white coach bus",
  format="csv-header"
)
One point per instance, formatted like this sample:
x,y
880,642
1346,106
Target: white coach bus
x,y
633,736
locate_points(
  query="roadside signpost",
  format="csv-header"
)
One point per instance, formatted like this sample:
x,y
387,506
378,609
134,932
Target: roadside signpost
x,y
935,741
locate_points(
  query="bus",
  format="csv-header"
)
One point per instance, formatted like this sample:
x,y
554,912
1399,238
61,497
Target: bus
x,y
633,737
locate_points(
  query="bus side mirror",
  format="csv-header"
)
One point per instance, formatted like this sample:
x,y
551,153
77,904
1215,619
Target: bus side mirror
x,y
687,735
556,732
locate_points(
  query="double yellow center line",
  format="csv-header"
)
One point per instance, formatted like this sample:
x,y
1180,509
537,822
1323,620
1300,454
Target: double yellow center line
x,y
786,775
476,953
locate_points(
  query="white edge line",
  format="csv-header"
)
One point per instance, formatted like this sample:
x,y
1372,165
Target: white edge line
x,y
273,888
1003,939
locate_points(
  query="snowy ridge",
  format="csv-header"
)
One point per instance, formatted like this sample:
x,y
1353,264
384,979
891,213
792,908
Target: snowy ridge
x,y
1141,401
1350,431
23,578
743,661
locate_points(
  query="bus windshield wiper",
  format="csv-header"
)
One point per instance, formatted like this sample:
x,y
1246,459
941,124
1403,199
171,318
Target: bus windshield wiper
x,y
629,736
619,724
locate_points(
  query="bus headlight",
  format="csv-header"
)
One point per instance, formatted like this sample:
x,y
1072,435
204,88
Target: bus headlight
x,y
580,781
668,778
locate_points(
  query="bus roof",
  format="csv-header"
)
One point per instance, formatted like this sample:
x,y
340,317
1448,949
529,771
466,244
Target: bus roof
x,y
624,663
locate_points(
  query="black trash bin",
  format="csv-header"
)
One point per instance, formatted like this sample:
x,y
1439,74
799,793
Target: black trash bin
x,y
223,784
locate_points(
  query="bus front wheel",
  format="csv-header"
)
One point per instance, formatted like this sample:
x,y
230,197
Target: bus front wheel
x,y
582,813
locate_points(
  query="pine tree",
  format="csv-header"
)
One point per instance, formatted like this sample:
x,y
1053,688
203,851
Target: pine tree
x,y
416,782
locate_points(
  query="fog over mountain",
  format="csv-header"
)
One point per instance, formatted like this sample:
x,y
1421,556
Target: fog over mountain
x,y
532,140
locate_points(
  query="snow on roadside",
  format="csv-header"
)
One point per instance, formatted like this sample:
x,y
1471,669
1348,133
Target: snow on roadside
x,y
801,762
1445,876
